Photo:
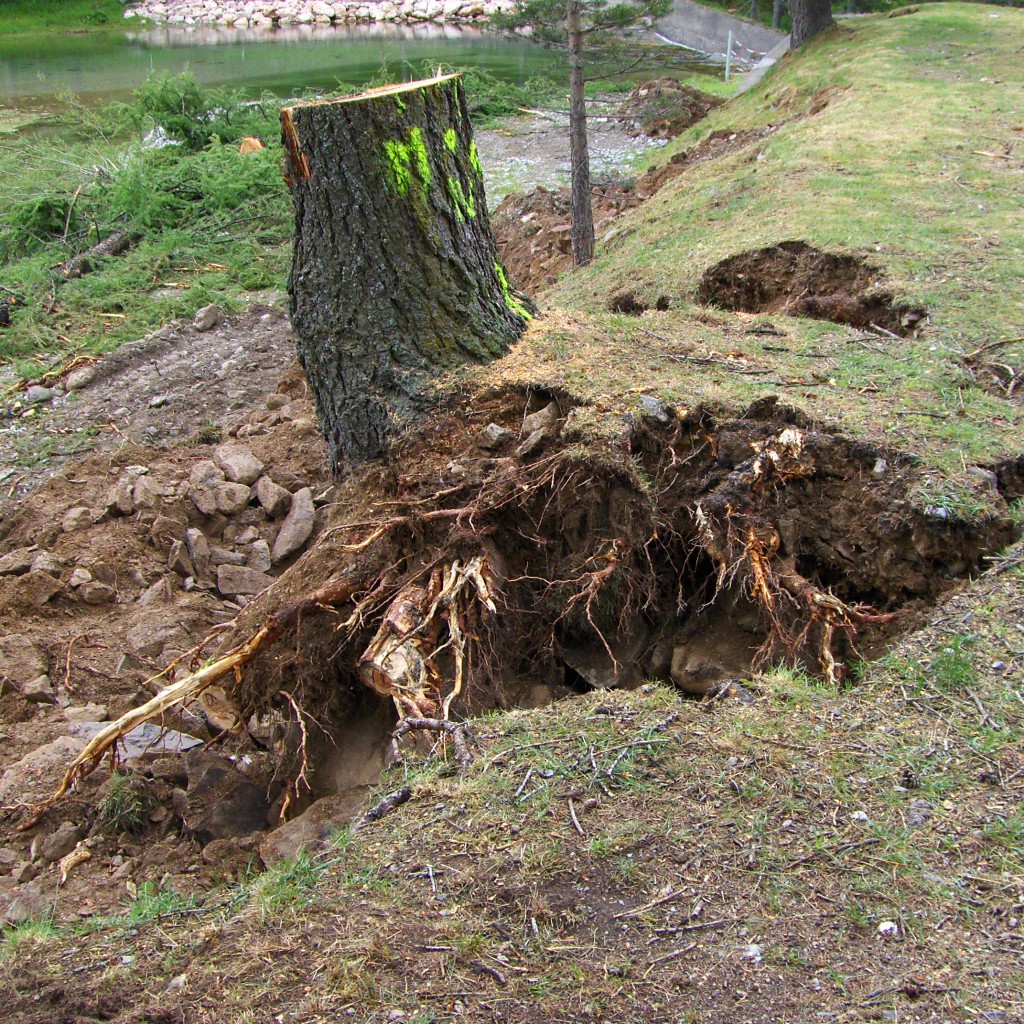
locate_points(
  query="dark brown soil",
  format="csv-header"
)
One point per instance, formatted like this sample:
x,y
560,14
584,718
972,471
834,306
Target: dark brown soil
x,y
797,279
663,109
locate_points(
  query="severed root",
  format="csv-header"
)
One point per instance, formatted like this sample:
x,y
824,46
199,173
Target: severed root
x,y
385,806
458,731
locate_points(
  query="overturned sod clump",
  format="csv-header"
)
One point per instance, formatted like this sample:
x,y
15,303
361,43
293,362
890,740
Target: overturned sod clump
x,y
800,280
682,548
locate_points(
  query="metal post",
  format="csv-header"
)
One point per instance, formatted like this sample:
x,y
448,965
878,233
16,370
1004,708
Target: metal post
x,y
728,58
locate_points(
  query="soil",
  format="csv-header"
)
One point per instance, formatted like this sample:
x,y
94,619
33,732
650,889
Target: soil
x,y
663,109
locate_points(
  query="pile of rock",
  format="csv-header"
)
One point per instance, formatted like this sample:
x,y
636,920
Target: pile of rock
x,y
242,14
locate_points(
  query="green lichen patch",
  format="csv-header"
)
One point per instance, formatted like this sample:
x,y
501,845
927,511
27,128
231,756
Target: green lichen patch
x,y
510,296
474,160
403,158
465,204
451,140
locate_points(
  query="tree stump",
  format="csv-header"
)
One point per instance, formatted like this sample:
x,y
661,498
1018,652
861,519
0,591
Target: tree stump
x,y
395,275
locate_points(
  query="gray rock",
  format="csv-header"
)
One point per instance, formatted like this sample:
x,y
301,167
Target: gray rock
x,y
24,871
87,713
96,593
208,317
37,773
77,518
60,843
37,394
543,419
880,468
493,436
149,739
312,829
150,642
146,493
33,589
232,498
259,556
276,401
48,563
276,500
178,560
239,464
21,660
223,556
8,858
79,576
202,484
81,378
222,802
159,401
18,561
39,691
296,528
233,580
654,409
161,592
988,480
199,551
532,443
919,812
120,497
23,903
304,427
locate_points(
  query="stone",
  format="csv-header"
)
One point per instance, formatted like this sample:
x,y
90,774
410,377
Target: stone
x,y
79,576
37,394
23,903
96,593
544,419
39,691
233,580
77,518
692,674
149,740
493,436
60,843
231,856
297,527
87,713
232,498
8,858
224,556
531,444
24,871
276,401
37,773
81,378
222,802
259,556
239,464
178,560
202,483
169,769
151,641
158,401
120,497
313,829
161,592
654,409
33,589
919,812
200,553
275,499
18,561
46,562
146,493
208,317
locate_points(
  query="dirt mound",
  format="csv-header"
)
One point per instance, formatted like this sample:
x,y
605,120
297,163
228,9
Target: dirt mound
x,y
662,108
717,143
799,280
533,230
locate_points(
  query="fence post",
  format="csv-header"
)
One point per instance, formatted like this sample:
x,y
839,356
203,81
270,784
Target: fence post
x,y
728,58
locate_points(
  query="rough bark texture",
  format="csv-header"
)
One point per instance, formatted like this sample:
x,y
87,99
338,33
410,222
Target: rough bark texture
x,y
579,155
809,18
395,276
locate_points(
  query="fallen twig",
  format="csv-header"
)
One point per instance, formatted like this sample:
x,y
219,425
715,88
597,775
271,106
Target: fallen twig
x,y
458,731
386,805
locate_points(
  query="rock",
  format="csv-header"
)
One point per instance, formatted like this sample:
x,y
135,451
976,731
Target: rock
x,y
276,500
493,436
532,443
199,552
24,871
158,401
37,394
880,468
312,829
239,464
48,563
259,556
304,427
146,493
8,858
222,802
39,691
79,575
77,518
169,769
222,556
148,740
230,856
202,483
654,409
208,317
296,528
18,561
21,661
81,378
919,812
692,674
120,497
232,498
96,593
60,843
178,560
150,642
87,713
23,903
276,401
233,580
37,773
544,419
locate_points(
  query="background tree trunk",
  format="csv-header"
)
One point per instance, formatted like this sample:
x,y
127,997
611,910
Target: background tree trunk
x,y
778,9
579,156
395,276
809,18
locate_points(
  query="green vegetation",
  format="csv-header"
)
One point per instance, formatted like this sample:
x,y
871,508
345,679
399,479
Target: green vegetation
x,y
123,808
25,16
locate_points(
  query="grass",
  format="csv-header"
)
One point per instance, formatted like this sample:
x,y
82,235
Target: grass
x,y
22,17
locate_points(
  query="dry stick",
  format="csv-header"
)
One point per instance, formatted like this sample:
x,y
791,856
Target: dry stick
x,y
675,954
637,911
385,806
575,821
67,662
459,732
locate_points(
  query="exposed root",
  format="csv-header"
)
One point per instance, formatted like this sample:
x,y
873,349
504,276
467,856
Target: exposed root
x,y
459,733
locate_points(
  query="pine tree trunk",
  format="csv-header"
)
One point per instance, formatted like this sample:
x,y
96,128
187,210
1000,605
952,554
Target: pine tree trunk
x,y
778,9
809,18
395,277
579,156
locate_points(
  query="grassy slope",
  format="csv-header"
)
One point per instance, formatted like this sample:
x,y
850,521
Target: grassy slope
x,y
896,169
738,861
27,16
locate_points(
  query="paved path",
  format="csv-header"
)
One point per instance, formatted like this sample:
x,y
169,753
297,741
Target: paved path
x,y
702,28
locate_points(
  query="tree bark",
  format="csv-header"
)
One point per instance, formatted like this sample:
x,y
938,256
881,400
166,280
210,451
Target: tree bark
x,y
809,18
395,276
778,9
579,156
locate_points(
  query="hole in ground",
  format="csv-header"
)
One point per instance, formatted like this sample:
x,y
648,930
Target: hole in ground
x,y
797,279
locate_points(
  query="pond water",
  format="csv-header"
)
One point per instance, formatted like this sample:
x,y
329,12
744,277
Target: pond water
x,y
103,66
